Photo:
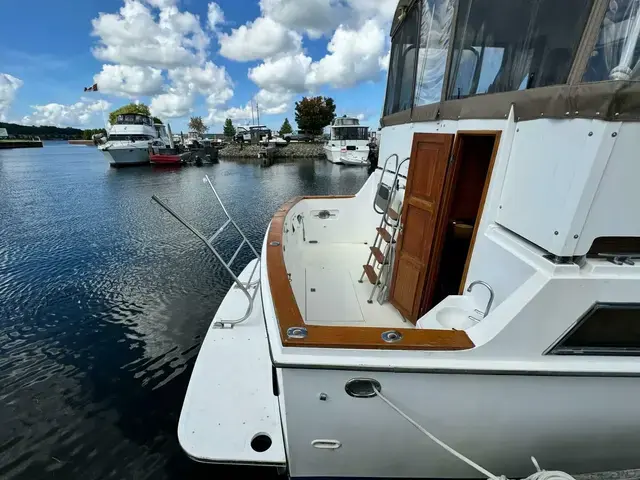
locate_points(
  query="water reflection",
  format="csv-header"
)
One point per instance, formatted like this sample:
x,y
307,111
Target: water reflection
x,y
104,300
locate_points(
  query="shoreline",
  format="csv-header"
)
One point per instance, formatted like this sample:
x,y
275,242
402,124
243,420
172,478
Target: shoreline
x,y
292,150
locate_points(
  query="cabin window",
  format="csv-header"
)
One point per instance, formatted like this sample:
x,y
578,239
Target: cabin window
x,y
505,46
617,52
435,32
402,65
606,329
350,133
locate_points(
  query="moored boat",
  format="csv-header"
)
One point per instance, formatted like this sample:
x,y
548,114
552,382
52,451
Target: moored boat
x,y
348,143
483,284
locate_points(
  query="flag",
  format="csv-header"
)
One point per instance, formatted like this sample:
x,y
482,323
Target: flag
x,y
92,88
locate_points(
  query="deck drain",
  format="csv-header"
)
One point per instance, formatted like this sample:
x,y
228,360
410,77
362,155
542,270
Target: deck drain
x,y
261,442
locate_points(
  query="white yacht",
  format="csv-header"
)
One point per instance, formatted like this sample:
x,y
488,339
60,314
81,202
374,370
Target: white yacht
x,y
348,142
482,287
129,138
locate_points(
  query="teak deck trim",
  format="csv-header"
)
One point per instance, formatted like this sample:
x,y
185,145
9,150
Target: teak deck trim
x,y
288,313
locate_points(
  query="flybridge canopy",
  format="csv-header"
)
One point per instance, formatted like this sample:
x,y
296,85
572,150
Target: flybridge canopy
x,y
476,58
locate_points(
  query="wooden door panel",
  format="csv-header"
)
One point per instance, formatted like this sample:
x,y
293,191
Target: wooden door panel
x,y
425,185
417,232
407,283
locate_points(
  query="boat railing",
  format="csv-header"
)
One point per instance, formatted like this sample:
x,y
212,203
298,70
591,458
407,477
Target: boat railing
x,y
251,286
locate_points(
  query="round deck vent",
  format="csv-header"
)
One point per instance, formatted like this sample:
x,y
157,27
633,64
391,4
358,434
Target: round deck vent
x,y
261,442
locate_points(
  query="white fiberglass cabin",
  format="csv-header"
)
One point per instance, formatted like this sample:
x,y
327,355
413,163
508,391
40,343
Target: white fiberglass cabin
x,y
500,236
348,142
128,140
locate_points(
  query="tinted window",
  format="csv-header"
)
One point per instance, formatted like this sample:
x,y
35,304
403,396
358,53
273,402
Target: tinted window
x,y
402,65
504,46
350,133
606,329
617,52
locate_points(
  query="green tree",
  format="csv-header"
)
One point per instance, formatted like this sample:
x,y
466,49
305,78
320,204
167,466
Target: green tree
x,y
314,113
197,125
229,129
157,120
139,108
285,128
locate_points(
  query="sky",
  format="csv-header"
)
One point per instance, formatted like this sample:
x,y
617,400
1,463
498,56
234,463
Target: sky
x,y
191,57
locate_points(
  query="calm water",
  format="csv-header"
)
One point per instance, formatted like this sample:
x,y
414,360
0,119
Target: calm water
x,y
105,298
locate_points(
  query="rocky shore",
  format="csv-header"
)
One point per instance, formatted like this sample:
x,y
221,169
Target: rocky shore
x,y
304,150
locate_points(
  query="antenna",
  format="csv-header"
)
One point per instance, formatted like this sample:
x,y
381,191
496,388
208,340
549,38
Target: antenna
x,y
252,122
258,111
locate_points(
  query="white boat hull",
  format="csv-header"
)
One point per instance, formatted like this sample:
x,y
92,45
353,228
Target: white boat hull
x,y
121,155
347,157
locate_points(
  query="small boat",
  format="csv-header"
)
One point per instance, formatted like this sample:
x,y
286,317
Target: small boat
x,y
165,159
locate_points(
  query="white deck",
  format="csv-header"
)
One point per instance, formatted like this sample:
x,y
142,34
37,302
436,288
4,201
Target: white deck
x,y
230,395
333,270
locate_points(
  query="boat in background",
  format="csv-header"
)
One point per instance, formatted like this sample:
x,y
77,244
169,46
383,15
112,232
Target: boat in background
x,y
165,155
129,138
348,143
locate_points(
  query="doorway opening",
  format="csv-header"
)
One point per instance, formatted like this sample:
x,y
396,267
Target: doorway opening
x,y
468,183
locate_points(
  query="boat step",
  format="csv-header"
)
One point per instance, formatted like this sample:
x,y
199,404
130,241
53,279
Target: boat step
x,y
386,236
392,214
371,274
378,254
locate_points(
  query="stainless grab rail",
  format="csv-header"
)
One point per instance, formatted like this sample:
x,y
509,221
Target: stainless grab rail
x,y
245,287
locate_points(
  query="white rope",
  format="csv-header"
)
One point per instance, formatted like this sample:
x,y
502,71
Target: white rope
x,y
539,475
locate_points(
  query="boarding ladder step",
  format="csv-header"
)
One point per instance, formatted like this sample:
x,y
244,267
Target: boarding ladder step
x,y
384,234
371,274
250,287
380,256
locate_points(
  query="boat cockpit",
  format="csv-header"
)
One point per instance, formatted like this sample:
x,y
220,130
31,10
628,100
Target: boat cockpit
x,y
506,131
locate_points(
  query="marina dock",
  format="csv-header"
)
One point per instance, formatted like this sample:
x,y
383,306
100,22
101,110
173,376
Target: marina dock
x,y
19,143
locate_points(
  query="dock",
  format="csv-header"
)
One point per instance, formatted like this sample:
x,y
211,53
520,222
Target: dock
x,y
19,143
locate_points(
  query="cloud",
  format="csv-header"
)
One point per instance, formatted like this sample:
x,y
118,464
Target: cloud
x,y
354,57
314,17
135,36
215,15
321,17
384,61
286,73
262,38
78,114
211,81
129,81
9,85
273,103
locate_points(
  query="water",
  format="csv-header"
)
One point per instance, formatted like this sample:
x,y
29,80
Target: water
x,y
105,298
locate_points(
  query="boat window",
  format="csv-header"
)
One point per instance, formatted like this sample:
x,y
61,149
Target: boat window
x,y
351,133
402,65
617,52
606,329
504,46
120,119
435,33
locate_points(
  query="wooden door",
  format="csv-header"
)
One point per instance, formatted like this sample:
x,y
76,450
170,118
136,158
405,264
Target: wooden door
x,y
422,202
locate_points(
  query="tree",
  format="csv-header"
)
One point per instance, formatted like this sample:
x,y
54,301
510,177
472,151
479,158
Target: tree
x,y
229,130
314,113
285,128
197,125
157,120
139,108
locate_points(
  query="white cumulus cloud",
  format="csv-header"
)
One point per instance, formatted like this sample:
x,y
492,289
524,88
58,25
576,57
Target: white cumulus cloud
x,y
136,36
129,80
9,85
262,38
75,115
210,81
